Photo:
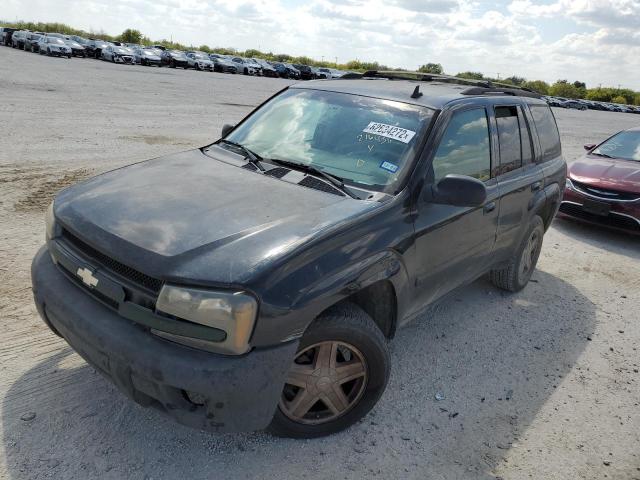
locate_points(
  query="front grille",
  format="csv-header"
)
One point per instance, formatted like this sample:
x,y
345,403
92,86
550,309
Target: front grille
x,y
131,274
604,193
611,220
317,184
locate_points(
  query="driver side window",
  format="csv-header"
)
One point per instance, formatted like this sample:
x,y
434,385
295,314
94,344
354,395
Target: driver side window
x,y
465,148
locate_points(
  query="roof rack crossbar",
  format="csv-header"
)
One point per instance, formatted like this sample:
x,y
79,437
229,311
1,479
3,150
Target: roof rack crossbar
x,y
477,87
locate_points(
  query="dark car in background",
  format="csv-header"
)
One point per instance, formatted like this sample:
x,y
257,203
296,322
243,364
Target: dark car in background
x,y
266,68
286,70
147,56
77,50
222,64
174,58
18,38
31,41
306,72
5,35
94,47
603,187
574,104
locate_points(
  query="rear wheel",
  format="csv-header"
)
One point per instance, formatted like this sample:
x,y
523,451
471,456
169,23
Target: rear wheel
x,y
515,276
337,376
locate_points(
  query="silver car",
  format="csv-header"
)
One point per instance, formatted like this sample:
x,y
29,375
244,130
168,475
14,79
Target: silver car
x,y
53,46
199,61
117,54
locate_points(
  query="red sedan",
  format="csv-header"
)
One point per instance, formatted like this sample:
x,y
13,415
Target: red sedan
x,y
603,187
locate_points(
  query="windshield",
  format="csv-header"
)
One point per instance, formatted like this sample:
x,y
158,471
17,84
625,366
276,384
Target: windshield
x,y
200,56
178,54
120,50
366,141
625,145
150,51
55,40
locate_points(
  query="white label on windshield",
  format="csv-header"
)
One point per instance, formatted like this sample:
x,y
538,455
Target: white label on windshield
x,y
396,133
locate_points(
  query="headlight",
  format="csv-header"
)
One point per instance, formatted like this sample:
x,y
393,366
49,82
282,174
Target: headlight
x,y
235,313
50,222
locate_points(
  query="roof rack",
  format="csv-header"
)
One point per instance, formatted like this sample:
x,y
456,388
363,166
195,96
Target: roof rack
x,y
477,87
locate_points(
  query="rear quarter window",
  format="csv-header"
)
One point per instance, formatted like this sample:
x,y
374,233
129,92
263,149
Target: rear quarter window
x,y
547,131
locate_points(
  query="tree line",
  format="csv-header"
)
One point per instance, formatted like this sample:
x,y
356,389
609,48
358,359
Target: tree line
x,y
561,88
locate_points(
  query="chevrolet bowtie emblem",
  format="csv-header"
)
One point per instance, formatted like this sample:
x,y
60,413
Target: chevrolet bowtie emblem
x,y
87,277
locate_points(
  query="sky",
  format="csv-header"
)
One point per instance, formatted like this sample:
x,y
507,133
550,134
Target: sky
x,y
597,41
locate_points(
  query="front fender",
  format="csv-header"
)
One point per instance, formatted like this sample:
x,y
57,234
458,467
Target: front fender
x,y
311,301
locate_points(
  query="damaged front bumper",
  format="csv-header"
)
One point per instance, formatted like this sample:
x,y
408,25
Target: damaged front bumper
x,y
198,389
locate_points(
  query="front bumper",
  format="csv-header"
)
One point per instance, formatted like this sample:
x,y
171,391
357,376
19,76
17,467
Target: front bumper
x,y
126,59
237,393
624,216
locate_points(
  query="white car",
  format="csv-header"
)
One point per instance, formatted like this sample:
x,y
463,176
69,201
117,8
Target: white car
x,y
199,61
54,46
117,54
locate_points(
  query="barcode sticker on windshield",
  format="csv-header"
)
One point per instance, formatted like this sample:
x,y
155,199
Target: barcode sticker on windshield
x,y
396,133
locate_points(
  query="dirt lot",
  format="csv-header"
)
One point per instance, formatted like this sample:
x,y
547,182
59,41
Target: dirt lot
x,y
543,384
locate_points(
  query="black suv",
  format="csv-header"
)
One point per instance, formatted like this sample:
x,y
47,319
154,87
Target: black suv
x,y
255,282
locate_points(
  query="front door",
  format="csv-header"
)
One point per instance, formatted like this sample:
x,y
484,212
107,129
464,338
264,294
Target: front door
x,y
453,243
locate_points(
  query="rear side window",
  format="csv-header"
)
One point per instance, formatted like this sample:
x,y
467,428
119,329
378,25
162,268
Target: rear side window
x,y
547,131
509,139
465,148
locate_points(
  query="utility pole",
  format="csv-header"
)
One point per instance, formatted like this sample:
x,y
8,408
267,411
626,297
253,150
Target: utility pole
x,y
336,62
322,58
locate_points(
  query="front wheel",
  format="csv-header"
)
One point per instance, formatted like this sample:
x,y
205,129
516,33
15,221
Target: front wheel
x,y
516,274
338,374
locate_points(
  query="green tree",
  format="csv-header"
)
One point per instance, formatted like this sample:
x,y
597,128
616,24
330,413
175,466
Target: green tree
x,y
431,68
131,36
515,80
539,86
619,99
471,75
562,88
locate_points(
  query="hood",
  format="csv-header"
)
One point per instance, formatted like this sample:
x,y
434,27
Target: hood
x,y
613,173
190,217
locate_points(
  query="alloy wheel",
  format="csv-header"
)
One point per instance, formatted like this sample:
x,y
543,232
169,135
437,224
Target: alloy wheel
x,y
327,380
529,254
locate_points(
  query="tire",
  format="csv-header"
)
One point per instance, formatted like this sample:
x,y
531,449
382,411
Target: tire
x,y
515,276
172,64
48,52
342,329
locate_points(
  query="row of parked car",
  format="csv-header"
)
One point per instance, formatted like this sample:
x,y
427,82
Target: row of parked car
x,y
581,104
57,44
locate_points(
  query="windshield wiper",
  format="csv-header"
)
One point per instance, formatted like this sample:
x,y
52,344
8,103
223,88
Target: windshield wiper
x,y
601,155
332,179
252,157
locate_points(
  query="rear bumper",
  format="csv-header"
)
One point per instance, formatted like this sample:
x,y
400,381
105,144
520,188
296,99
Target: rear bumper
x,y
624,216
234,393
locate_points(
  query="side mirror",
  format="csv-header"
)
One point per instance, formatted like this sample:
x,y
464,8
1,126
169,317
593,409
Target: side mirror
x,y
226,129
459,190
589,146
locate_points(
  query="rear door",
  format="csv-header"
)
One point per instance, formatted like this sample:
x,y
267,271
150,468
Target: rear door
x,y
519,177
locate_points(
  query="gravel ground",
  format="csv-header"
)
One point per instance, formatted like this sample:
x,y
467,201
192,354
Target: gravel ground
x,y
540,384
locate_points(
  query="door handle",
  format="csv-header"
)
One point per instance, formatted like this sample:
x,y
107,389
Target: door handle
x,y
535,186
489,207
